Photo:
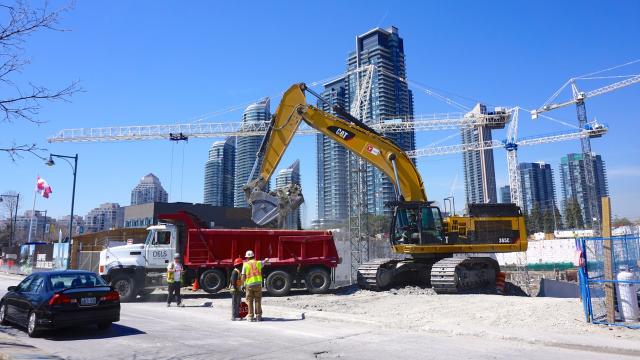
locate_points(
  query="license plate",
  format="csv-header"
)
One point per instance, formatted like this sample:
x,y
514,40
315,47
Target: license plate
x,y
87,301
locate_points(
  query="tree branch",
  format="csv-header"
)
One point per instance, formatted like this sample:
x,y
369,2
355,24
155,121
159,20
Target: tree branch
x,y
16,151
22,22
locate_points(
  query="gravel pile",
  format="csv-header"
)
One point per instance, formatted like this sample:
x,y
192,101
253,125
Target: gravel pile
x,y
413,290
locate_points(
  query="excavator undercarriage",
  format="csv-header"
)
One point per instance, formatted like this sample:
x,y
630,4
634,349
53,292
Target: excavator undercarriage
x,y
449,275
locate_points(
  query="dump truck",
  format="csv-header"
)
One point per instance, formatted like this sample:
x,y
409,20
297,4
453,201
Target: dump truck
x,y
297,258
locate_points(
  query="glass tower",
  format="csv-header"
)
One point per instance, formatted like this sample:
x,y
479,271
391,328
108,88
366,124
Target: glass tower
x,y
505,194
219,173
479,170
247,147
537,186
574,183
391,100
332,159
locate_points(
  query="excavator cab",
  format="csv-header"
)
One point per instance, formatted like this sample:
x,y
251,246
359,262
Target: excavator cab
x,y
417,223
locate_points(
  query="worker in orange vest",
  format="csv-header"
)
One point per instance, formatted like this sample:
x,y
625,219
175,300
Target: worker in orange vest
x,y
252,279
235,286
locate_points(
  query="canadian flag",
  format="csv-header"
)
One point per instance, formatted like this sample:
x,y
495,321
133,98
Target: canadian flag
x,y
43,187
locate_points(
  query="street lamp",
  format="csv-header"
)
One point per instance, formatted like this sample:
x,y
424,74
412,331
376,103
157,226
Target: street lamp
x,y
15,217
74,167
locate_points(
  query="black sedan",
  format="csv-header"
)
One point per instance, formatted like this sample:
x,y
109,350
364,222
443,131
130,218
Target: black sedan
x,y
55,299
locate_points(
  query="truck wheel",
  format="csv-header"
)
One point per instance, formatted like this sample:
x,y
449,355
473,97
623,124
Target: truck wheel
x,y
318,280
212,281
145,292
279,283
125,286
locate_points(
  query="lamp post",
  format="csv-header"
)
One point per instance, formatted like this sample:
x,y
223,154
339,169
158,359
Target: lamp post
x,y
15,217
74,167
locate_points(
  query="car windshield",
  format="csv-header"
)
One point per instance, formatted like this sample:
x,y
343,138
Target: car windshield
x,y
68,281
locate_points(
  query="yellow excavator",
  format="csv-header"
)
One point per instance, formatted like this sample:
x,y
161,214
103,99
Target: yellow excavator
x,y
449,254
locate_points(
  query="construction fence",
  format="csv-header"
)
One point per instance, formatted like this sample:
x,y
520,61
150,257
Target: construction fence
x,y
617,292
34,257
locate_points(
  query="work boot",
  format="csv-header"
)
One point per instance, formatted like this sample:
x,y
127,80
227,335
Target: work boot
x,y
259,318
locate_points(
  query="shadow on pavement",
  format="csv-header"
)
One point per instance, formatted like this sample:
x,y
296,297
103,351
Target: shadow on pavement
x,y
275,319
90,332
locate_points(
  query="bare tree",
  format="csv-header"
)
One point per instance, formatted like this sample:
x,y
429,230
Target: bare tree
x,y
24,101
9,203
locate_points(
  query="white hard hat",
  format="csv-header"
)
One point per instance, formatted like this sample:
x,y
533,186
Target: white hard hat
x,y
249,254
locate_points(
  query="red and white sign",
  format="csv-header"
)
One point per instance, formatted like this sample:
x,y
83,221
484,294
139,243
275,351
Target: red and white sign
x,y
43,187
372,150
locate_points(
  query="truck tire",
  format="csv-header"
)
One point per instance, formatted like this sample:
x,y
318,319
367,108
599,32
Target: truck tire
x,y
212,281
279,283
318,280
145,292
125,286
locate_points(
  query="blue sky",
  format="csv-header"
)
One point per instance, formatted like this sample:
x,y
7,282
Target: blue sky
x,y
151,62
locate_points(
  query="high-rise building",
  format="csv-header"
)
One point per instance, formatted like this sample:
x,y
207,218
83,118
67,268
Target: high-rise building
x,y
479,170
332,160
537,186
505,194
148,190
247,147
288,176
106,216
574,183
219,170
391,100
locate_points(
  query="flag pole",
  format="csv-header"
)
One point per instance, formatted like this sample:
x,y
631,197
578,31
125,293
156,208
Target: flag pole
x,y
33,211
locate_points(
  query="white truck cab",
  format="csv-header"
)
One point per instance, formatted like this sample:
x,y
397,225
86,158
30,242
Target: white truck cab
x,y
140,268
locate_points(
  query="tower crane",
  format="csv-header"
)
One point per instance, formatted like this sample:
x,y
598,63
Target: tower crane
x,y
578,98
426,122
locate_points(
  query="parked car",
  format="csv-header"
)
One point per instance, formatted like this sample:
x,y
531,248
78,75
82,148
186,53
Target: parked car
x,y
56,299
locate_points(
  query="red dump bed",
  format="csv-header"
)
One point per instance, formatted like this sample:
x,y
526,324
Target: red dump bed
x,y
219,247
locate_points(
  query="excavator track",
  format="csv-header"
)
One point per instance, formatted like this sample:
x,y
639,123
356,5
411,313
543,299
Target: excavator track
x,y
457,275
375,275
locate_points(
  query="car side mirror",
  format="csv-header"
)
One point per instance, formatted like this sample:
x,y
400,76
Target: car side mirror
x,y
12,288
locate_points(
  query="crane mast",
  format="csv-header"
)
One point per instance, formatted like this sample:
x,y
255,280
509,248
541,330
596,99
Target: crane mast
x,y
592,207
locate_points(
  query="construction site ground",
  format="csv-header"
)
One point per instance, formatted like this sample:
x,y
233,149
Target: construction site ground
x,y
349,323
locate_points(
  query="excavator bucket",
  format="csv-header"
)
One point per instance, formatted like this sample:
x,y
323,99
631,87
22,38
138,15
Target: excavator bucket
x,y
264,207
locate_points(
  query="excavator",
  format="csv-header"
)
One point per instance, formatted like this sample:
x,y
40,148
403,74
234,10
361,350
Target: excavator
x,y
450,254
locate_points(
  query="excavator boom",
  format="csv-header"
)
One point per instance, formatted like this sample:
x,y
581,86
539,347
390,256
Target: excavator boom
x,y
349,132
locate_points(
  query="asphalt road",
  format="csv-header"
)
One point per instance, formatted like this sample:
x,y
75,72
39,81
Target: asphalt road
x,y
202,330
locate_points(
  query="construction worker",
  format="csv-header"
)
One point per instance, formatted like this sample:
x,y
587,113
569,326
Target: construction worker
x,y
252,279
235,286
175,277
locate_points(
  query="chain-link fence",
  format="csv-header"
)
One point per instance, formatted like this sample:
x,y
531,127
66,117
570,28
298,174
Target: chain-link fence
x,y
624,283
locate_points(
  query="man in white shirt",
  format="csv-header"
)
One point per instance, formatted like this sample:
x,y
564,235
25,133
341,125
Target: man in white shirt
x,y
175,272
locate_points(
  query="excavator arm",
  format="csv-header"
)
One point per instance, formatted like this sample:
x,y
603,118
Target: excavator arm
x,y
351,133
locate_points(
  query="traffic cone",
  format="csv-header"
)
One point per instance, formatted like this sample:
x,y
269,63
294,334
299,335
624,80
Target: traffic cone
x,y
195,286
500,278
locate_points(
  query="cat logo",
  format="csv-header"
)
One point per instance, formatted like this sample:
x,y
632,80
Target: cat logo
x,y
342,133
